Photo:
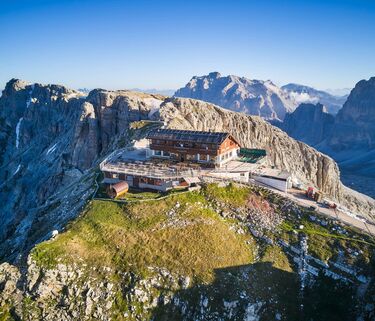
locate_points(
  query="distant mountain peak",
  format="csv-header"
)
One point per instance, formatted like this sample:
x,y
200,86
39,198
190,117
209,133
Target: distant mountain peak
x,y
306,94
214,75
254,97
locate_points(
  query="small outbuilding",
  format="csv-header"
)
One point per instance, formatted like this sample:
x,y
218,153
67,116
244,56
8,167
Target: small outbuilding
x,y
278,179
117,189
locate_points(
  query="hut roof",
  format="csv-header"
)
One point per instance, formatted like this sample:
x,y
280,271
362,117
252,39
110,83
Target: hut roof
x,y
120,186
188,135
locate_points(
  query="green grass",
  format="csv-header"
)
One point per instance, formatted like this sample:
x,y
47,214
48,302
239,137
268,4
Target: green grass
x,y
231,194
324,244
191,239
134,236
277,257
5,313
315,229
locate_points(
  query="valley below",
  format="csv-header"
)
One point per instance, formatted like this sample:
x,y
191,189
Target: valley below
x,y
361,183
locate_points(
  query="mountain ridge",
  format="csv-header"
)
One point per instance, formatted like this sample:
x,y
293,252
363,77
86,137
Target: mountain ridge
x,y
306,94
256,97
62,137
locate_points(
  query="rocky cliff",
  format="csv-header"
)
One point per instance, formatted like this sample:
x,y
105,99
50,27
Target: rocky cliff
x,y
349,137
37,130
352,141
303,161
253,97
52,139
309,123
197,255
222,253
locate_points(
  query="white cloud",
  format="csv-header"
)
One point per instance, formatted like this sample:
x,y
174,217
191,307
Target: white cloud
x,y
303,98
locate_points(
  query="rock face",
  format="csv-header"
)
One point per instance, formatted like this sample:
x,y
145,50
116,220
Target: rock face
x,y
355,123
36,137
309,123
349,138
50,138
352,142
253,97
304,94
305,162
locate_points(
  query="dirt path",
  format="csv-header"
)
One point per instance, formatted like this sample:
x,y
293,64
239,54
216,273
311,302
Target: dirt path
x,y
299,197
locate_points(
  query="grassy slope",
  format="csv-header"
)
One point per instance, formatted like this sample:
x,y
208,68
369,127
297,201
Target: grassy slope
x,y
192,239
136,236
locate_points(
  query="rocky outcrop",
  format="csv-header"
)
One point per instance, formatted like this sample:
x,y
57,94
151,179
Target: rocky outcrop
x,y
36,136
355,123
305,94
352,141
50,139
80,292
253,97
309,123
303,161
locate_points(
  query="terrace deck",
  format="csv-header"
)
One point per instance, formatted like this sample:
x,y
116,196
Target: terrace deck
x,y
152,170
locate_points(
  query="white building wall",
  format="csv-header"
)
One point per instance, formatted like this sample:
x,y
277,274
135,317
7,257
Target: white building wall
x,y
236,176
163,188
221,160
280,185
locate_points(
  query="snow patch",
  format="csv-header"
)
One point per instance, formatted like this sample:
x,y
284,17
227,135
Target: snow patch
x,y
18,132
30,100
17,170
52,149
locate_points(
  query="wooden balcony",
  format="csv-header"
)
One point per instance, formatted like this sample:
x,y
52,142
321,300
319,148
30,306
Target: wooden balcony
x,y
185,150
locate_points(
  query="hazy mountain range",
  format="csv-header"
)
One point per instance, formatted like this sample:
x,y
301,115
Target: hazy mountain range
x,y
164,92
306,94
256,97
313,116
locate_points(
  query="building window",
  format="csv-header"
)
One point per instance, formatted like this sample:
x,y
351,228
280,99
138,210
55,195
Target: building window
x,y
143,180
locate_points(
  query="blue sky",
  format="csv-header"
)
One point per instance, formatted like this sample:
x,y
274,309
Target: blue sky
x,y
162,44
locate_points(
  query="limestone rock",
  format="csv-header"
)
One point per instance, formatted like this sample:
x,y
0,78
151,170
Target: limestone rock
x,y
254,97
284,152
309,123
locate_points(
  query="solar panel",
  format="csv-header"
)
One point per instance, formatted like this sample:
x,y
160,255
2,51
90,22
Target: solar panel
x,y
188,135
